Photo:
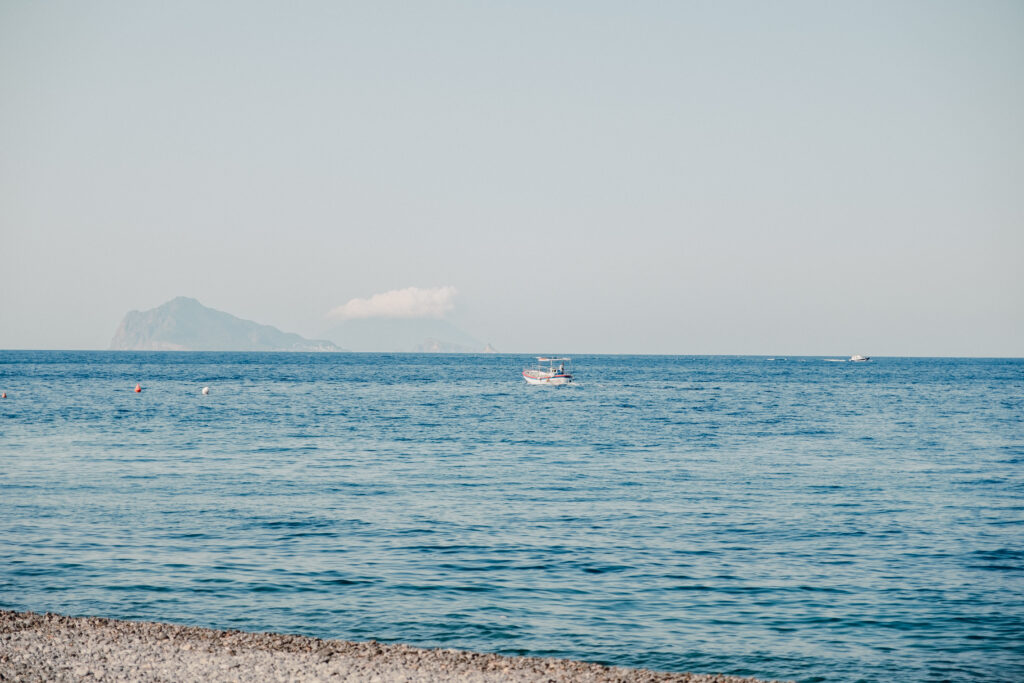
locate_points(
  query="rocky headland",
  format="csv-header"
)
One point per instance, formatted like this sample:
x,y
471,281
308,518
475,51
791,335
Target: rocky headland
x,y
184,324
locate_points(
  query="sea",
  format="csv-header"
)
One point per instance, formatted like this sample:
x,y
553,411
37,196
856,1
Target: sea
x,y
796,518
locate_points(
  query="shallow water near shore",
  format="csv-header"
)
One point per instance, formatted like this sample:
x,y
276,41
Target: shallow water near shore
x,y
794,519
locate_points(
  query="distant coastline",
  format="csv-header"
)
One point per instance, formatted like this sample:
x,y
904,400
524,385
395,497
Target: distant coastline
x,y
184,324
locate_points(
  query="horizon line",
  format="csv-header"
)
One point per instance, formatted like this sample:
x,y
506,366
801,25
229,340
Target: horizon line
x,y
777,356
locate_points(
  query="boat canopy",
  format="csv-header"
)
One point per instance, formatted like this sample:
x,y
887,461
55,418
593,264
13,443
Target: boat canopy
x,y
545,359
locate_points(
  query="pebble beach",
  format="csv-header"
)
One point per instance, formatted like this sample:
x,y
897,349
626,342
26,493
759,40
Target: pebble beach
x,y
51,647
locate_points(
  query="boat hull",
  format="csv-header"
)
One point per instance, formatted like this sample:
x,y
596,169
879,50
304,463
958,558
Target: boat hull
x,y
541,377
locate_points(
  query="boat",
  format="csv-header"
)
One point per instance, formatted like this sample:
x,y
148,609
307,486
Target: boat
x,y
549,371
860,359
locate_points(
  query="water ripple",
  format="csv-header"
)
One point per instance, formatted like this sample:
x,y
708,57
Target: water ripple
x,y
806,520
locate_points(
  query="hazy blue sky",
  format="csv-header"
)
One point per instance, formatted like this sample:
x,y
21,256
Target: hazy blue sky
x,y
649,177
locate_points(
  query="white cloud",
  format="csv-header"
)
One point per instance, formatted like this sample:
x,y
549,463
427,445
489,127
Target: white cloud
x,y
411,302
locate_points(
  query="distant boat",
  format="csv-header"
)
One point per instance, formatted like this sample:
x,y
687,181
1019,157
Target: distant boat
x,y
549,374
860,359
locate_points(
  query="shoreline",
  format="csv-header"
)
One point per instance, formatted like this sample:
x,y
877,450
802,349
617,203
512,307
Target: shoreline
x,y
51,647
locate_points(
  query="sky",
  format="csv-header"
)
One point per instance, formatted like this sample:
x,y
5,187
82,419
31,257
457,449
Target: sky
x,y
727,177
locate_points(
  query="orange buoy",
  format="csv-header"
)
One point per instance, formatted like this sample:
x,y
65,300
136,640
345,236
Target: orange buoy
x,y
138,388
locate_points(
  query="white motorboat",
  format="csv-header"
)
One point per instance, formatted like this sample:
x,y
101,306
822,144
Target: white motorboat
x,y
550,371
860,359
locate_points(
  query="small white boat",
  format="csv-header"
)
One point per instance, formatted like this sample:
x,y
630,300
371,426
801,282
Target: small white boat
x,y
860,359
555,372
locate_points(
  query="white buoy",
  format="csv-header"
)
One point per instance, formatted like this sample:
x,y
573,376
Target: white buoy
x,y
206,390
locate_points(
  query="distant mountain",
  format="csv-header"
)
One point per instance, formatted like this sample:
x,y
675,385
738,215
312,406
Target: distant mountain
x,y
184,324
438,346
422,335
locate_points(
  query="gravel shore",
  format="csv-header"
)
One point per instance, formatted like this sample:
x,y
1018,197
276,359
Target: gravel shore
x,y
50,647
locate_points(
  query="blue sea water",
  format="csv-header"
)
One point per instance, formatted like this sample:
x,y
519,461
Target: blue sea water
x,y
795,519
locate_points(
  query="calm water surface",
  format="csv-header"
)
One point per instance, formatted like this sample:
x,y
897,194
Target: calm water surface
x,y
797,519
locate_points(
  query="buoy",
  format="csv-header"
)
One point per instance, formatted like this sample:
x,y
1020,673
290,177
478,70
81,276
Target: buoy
x,y
206,390
4,395
138,388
